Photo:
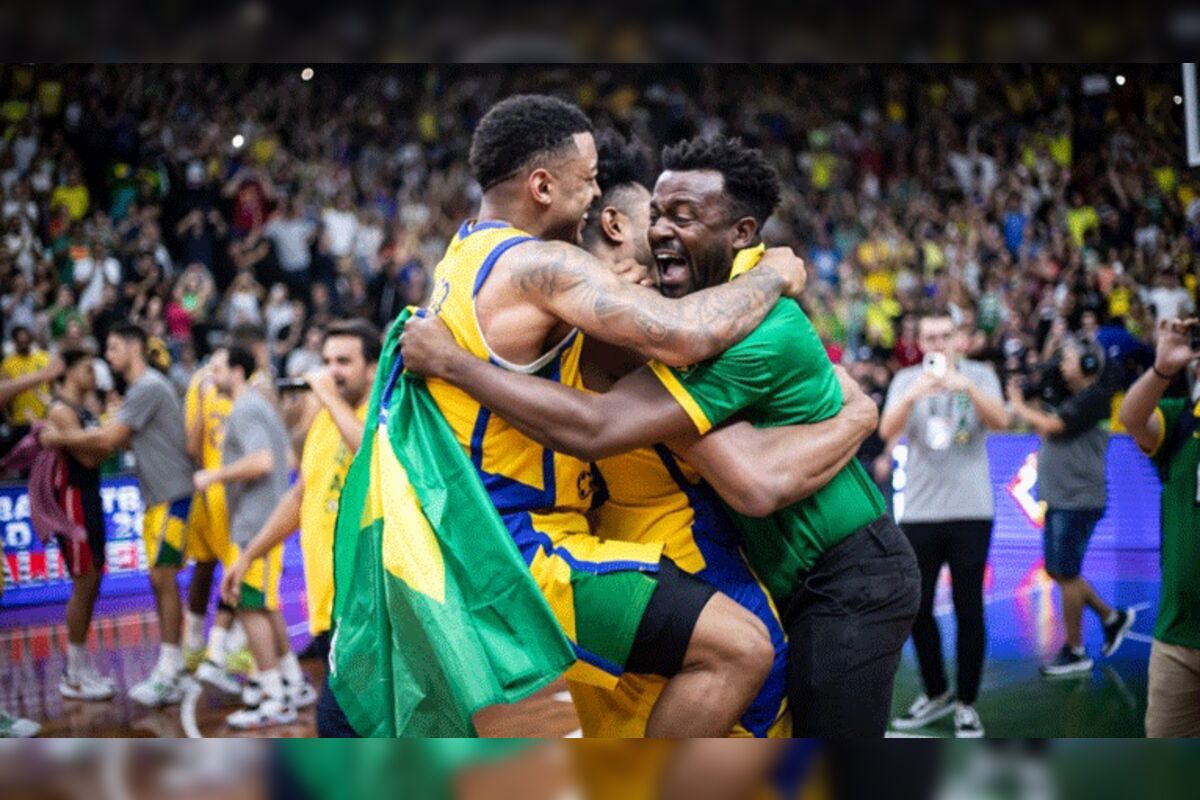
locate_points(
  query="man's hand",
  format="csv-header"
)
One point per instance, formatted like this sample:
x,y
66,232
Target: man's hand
x,y
954,381
50,437
1173,351
323,384
634,272
926,384
231,582
428,347
789,266
53,369
855,399
1016,397
203,479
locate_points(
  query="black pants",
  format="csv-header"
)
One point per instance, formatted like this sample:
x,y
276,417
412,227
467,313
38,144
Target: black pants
x,y
846,627
963,544
331,720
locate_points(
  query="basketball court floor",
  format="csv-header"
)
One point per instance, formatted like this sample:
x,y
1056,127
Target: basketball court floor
x,y
1022,630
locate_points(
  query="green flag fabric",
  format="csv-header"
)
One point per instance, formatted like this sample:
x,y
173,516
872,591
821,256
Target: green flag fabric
x,y
436,615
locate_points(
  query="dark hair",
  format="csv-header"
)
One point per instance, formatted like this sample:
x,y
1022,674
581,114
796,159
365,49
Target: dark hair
x,y
241,358
366,333
130,332
620,165
519,129
73,356
247,334
20,329
751,183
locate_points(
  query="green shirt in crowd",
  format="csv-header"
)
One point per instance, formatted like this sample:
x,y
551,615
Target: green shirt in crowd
x,y
1178,620
780,375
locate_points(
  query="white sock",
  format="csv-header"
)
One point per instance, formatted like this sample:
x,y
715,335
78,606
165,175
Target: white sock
x,y
217,638
1079,651
236,639
193,631
1112,617
272,684
289,667
76,658
170,659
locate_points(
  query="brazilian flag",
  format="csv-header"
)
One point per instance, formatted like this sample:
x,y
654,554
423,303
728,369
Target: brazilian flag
x,y
436,613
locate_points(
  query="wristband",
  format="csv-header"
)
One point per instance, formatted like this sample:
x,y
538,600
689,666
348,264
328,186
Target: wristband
x,y
1162,374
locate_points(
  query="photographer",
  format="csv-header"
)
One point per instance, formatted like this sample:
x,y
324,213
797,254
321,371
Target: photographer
x,y
945,406
1167,431
1071,482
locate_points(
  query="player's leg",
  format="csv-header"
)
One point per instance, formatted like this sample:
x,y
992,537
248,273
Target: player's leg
x,y
715,661
267,701
164,529
300,692
80,681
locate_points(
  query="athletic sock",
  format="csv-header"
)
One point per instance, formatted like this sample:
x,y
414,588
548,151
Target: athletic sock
x,y
170,660
217,638
76,658
289,667
272,684
193,636
1112,617
1079,651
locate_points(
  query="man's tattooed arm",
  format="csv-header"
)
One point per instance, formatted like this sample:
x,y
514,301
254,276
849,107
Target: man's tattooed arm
x,y
582,291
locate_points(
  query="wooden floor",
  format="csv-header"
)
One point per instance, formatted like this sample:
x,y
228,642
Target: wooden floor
x,y
124,646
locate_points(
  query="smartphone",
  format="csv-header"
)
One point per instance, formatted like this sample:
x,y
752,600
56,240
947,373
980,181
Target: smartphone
x,y
1194,338
935,363
291,385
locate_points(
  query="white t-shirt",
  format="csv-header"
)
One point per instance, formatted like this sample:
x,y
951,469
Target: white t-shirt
x,y
340,228
291,242
92,277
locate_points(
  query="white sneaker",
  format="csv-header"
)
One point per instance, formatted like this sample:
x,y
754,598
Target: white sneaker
x,y
252,694
219,679
14,727
158,690
924,711
85,684
301,696
967,724
269,712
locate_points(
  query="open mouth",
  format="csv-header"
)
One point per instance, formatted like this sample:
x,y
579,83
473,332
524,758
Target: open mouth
x,y
672,267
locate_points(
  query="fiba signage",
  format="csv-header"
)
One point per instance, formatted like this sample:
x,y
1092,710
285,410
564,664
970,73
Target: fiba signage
x,y
34,573
1131,519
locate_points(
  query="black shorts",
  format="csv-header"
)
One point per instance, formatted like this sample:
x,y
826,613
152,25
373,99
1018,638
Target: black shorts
x,y
666,628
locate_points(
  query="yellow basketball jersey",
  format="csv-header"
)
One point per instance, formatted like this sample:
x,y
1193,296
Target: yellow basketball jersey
x,y
519,474
323,465
215,407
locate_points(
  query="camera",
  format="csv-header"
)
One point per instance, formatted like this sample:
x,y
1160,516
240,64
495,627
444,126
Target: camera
x,y
1046,381
1194,338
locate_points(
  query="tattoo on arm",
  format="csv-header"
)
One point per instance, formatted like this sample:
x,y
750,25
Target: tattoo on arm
x,y
582,291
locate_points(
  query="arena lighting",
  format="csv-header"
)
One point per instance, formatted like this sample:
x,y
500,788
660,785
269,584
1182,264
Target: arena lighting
x,y
306,74
238,141
1120,80
1178,100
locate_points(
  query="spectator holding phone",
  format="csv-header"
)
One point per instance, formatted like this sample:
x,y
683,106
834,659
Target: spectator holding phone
x,y
944,407
1168,430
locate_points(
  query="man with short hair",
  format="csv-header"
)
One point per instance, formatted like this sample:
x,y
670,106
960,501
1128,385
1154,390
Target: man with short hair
x,y
1072,482
77,486
945,408
706,215
29,405
254,473
151,422
1168,430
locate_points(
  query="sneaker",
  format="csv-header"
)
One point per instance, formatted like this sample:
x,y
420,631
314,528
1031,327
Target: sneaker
x,y
240,661
85,685
1114,634
252,694
924,711
158,690
301,696
1067,662
13,727
967,724
193,656
269,712
210,673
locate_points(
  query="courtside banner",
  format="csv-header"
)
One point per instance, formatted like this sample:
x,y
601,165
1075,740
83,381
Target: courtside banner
x,y
36,575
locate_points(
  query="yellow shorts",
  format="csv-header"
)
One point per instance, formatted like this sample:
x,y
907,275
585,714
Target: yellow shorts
x,y
260,586
165,532
208,527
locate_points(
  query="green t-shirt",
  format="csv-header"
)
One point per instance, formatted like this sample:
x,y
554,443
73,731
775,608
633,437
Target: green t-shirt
x,y
1178,620
780,375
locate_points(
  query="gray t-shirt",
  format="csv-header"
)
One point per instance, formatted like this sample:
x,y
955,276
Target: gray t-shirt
x,y
153,411
947,467
253,426
1071,466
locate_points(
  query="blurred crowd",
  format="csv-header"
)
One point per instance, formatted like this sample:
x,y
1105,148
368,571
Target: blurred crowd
x,y
1029,201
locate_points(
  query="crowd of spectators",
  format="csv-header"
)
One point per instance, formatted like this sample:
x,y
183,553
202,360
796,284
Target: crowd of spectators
x,y
1029,201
